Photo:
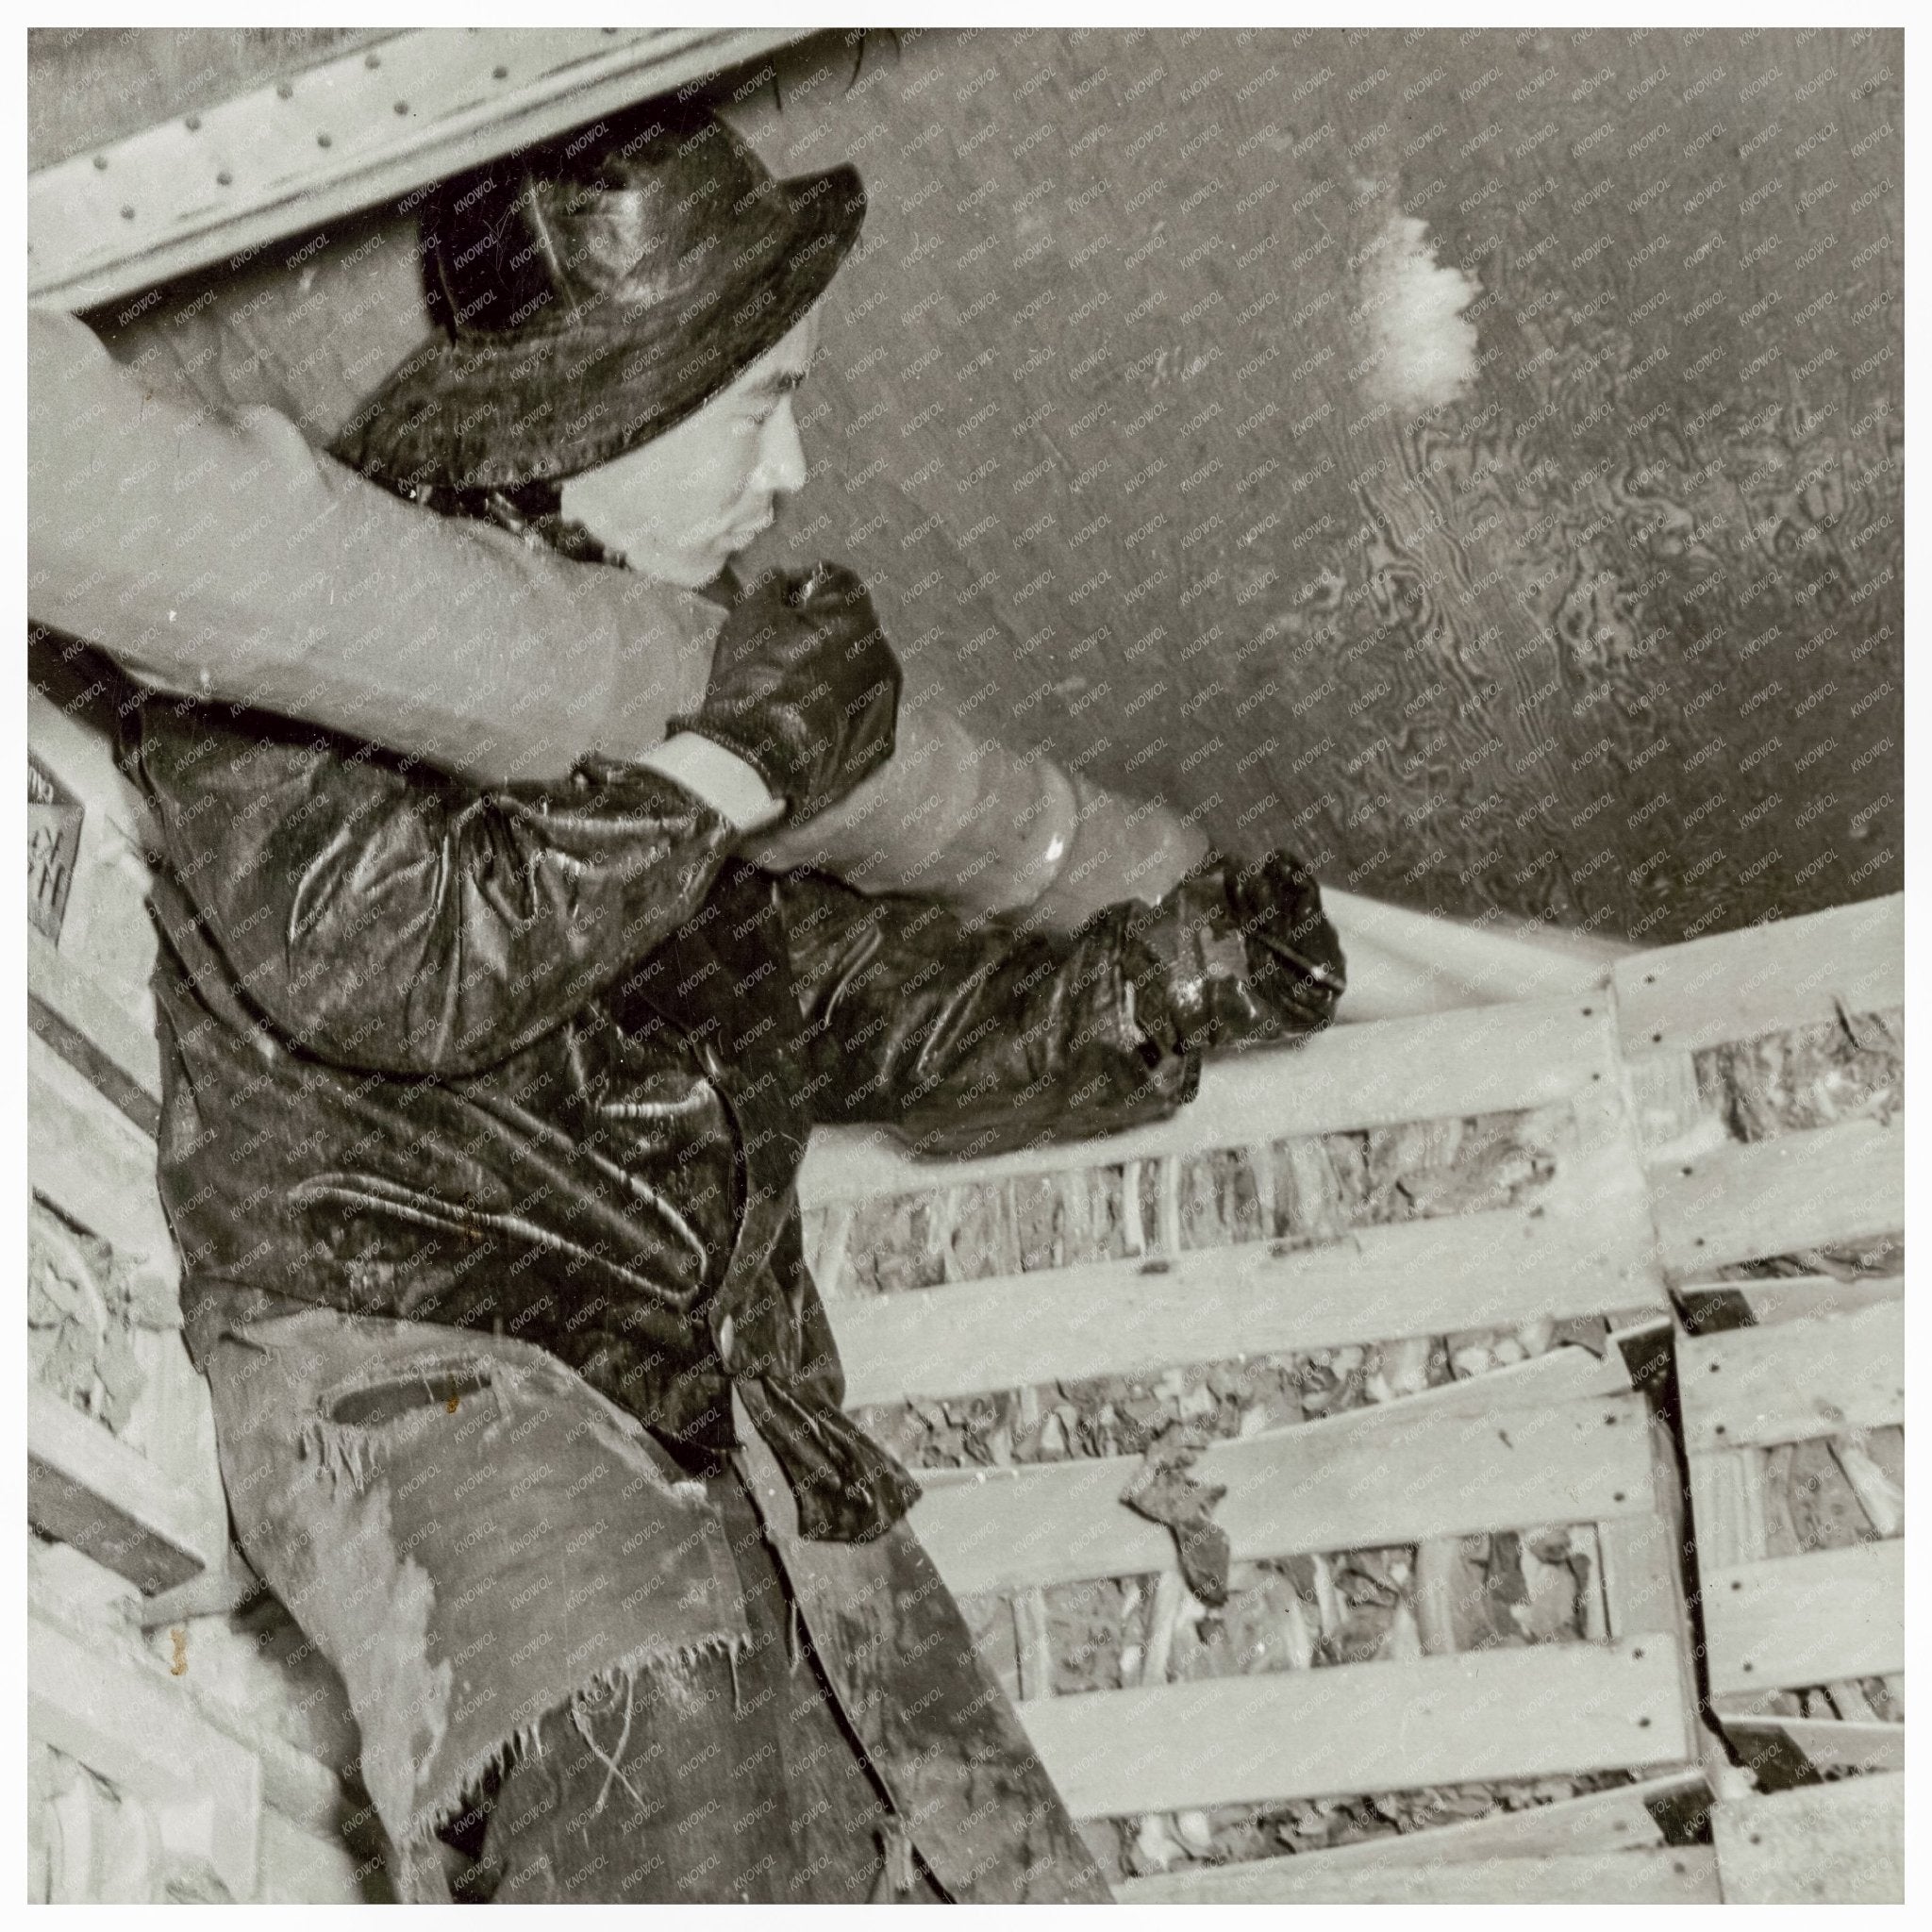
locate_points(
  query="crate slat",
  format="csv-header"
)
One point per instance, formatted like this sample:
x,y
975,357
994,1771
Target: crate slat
x,y
100,1017
1568,1373
1572,1251
1765,979
1485,1060
1831,1745
88,1158
1840,1843
1790,1381
1813,1190
1603,1822
1300,1490
144,1734
1790,1622
1684,1877
1785,1297
1363,1727
87,1488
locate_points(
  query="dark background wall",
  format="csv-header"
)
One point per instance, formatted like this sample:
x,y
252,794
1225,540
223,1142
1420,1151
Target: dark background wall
x,y
1104,412
1615,638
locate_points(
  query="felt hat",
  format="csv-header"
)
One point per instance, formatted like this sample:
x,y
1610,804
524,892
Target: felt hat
x,y
593,292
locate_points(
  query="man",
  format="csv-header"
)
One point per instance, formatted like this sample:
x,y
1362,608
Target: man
x,y
483,1110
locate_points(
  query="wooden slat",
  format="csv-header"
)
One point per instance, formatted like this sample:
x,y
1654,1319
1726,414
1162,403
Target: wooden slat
x,y
88,1158
71,994
1563,1375
1483,1060
335,143
142,1732
1362,1727
1840,1843
90,1489
1829,1745
1685,1876
1785,972
1575,1251
1296,1490
1794,1621
1845,1183
1790,1381
1612,1822
106,925
1788,1297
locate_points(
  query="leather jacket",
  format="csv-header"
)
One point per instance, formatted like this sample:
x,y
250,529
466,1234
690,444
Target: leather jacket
x,y
544,1058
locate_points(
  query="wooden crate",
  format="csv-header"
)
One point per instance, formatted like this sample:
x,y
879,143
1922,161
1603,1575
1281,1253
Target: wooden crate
x,y
1563,1438
1560,1438
1783,1365
191,1763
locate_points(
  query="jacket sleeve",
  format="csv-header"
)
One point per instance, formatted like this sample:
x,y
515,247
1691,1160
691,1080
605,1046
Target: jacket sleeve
x,y
390,918
971,1040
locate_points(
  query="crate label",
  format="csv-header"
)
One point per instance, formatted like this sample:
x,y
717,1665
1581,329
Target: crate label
x,y
53,846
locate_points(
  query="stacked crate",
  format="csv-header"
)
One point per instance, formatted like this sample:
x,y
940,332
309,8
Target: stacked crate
x,y
1483,1222
1507,1130
209,1759
1768,1069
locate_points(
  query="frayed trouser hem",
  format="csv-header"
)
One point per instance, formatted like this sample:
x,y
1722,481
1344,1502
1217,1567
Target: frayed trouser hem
x,y
679,1660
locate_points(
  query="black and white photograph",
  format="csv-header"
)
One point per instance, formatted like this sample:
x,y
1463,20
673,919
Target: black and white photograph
x,y
965,963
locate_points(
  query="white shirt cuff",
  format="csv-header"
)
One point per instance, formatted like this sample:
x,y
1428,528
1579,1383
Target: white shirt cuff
x,y
721,778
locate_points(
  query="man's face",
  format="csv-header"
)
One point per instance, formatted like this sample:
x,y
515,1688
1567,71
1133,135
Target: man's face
x,y
681,506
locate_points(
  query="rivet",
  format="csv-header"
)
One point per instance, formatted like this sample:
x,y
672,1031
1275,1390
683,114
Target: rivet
x,y
1656,1039
101,162
193,124
1618,1497
285,89
225,179
322,140
402,107
499,74
126,214
371,59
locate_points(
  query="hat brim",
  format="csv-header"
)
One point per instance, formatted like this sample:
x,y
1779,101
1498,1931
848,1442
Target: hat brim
x,y
538,407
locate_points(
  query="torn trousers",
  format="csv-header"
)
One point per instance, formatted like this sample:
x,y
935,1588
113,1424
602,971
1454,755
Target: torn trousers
x,y
729,1777
521,1589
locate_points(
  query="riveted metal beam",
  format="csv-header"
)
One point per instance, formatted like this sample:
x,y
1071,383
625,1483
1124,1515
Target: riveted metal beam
x,y
369,126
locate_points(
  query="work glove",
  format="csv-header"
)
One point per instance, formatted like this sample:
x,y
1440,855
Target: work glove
x,y
1234,954
804,687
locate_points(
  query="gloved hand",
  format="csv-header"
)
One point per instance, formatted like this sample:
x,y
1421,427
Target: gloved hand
x,y
1233,954
804,687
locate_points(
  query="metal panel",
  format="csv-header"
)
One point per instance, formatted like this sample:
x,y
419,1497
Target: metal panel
x,y
343,135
